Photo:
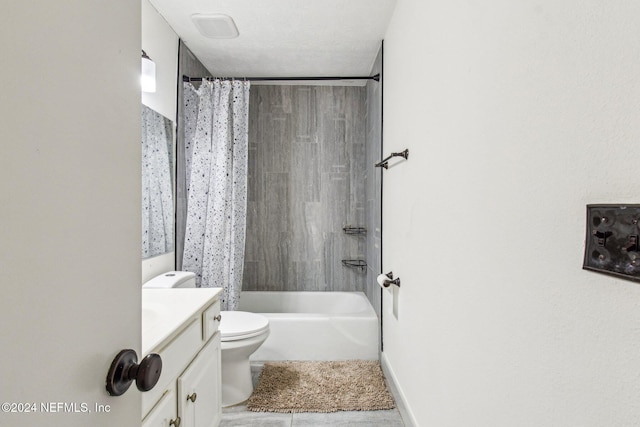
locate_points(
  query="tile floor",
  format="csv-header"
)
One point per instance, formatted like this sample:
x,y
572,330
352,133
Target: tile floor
x,y
239,416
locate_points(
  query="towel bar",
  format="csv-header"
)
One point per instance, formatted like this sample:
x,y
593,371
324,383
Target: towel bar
x,y
385,162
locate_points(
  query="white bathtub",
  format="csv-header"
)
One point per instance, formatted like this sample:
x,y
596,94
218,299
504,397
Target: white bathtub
x,y
315,325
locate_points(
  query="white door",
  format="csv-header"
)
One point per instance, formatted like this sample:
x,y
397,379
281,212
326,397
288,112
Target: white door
x,y
70,210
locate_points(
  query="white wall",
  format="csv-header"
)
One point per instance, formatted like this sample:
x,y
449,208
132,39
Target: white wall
x,y
160,42
516,114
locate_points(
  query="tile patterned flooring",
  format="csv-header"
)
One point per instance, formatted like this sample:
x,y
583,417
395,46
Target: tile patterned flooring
x,y
241,417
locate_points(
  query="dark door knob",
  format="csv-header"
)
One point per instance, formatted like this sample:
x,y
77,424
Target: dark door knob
x,y
125,369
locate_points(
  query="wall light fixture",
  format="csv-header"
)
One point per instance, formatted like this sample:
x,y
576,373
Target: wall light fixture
x,y
148,74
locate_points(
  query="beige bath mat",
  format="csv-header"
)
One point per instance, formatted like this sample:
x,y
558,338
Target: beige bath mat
x,y
352,385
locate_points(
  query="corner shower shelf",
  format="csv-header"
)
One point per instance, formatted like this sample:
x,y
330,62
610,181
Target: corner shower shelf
x,y
355,263
350,229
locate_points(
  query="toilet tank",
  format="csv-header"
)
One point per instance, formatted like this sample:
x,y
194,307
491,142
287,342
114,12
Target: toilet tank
x,y
172,279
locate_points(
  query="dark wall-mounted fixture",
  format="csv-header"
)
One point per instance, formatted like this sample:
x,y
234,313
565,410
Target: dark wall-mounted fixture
x,y
280,79
350,229
391,280
355,263
385,162
612,242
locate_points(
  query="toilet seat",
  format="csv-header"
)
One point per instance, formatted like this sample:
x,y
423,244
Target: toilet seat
x,y
239,325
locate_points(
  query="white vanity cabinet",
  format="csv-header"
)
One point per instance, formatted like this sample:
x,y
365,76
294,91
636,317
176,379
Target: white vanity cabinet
x,y
188,393
199,402
164,413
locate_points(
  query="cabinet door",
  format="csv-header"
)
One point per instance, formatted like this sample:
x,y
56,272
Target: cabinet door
x,y
199,388
164,413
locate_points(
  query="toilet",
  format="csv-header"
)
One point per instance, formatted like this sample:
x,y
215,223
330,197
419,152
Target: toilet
x,y
241,333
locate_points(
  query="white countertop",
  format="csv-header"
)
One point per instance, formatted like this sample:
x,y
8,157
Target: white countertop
x,y
166,311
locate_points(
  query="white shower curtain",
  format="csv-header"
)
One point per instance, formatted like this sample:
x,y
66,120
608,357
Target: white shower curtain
x,y
216,163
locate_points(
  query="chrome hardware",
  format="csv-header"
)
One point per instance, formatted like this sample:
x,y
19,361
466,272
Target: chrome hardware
x,y
192,397
176,422
218,317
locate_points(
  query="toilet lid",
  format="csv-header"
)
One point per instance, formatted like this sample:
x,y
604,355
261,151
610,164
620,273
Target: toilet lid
x,y
237,325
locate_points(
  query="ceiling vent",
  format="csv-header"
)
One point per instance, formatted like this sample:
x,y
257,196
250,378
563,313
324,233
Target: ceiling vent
x,y
215,26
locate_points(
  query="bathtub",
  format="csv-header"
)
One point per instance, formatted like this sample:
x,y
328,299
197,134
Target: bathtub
x,y
315,325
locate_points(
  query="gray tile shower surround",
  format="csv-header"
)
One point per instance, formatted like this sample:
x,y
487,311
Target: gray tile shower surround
x,y
311,150
306,182
239,416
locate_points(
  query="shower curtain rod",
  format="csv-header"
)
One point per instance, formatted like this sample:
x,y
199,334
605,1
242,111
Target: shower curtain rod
x,y
266,79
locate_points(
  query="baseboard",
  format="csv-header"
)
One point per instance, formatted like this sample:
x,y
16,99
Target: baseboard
x,y
392,382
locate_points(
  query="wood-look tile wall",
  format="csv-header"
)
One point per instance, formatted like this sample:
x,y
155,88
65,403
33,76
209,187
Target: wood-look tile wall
x,y
306,182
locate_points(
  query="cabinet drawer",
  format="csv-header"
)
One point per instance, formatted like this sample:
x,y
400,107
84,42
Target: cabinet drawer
x,y
175,357
210,321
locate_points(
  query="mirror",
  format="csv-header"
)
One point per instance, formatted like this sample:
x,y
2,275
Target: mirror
x,y
157,184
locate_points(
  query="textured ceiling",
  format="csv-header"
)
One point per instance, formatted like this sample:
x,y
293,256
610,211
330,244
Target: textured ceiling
x,y
285,38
